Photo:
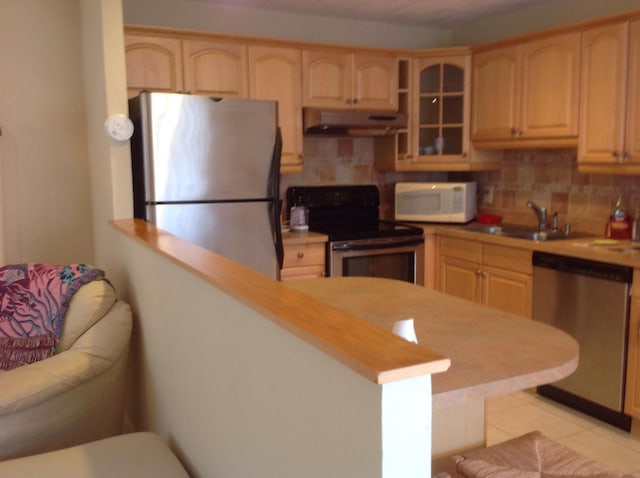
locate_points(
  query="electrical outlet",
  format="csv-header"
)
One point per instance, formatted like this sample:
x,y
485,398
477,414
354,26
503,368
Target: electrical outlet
x,y
487,198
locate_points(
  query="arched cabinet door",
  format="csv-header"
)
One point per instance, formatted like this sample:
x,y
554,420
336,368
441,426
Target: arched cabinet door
x,y
441,103
375,82
603,99
153,63
326,79
527,91
215,68
341,79
496,92
275,74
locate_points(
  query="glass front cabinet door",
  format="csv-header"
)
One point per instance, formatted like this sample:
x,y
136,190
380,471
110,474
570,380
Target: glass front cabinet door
x,y
441,118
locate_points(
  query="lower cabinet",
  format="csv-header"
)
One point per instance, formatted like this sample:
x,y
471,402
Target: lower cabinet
x,y
497,276
632,393
303,261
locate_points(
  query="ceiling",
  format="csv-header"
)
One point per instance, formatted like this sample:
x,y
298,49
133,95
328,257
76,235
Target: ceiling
x,y
427,13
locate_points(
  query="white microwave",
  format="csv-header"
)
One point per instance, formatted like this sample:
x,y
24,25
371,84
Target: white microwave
x,y
435,202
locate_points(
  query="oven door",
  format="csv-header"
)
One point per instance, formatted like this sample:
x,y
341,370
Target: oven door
x,y
389,258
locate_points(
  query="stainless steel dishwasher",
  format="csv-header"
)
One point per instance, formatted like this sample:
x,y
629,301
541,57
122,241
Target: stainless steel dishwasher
x,y
590,301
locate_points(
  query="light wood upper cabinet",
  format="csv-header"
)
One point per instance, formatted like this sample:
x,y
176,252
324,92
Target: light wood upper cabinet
x,y
550,87
336,79
434,91
632,138
495,92
215,68
153,63
441,108
375,82
528,91
610,99
275,73
326,78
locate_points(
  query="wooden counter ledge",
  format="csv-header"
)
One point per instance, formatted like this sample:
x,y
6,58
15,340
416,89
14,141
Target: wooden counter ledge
x,y
366,348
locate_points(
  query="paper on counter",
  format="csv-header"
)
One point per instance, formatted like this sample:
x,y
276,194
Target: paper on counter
x,y
406,329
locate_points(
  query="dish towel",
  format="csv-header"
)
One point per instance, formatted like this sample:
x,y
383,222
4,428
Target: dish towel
x,y
33,301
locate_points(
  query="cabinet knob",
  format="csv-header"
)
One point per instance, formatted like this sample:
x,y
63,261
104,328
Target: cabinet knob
x,y
615,154
354,101
300,255
625,155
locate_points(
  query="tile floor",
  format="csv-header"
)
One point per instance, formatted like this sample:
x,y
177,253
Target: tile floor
x,y
513,415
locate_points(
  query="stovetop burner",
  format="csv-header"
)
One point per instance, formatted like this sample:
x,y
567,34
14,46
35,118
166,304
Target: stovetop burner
x,y
346,213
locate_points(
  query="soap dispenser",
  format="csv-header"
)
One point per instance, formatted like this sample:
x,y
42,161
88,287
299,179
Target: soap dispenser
x,y
619,222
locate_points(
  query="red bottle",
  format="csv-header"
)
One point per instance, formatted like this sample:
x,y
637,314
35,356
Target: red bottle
x,y
619,222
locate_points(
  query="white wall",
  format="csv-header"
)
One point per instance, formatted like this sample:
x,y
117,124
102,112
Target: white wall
x,y
539,17
199,15
237,396
232,393
105,83
45,197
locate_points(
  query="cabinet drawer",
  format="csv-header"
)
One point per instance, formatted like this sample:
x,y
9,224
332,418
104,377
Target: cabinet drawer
x,y
304,255
509,258
305,272
461,249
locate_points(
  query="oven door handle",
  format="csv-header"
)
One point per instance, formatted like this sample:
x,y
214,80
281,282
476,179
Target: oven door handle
x,y
346,246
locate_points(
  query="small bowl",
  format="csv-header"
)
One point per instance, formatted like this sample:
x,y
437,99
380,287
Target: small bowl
x,y
489,219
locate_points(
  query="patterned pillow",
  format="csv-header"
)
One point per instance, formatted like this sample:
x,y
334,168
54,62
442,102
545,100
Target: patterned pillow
x,y
33,301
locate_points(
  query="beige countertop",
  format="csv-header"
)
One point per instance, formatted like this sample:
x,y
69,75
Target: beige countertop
x,y
491,352
626,253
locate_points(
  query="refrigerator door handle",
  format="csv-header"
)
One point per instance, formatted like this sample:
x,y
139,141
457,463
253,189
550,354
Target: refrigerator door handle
x,y
275,195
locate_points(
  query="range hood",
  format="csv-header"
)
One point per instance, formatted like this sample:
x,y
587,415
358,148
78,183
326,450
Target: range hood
x,y
352,122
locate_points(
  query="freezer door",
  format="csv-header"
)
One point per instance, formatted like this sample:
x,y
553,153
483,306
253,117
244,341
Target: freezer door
x,y
203,149
241,232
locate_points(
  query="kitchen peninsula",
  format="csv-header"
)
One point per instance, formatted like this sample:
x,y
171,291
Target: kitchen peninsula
x,y
491,352
350,320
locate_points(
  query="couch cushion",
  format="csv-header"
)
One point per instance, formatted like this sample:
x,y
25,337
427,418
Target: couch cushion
x,y
91,302
134,455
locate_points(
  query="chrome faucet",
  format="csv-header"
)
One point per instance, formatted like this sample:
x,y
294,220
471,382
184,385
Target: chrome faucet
x,y
541,214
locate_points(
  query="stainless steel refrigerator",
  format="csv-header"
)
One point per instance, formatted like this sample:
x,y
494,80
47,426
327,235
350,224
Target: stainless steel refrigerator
x,y
207,170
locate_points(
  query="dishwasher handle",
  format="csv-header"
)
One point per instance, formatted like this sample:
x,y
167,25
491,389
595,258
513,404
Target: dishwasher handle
x,y
585,267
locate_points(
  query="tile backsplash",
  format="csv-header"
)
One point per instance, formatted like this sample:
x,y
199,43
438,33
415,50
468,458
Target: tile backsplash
x,y
547,177
550,179
329,161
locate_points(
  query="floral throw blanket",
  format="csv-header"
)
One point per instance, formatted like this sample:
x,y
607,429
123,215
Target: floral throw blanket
x,y
33,301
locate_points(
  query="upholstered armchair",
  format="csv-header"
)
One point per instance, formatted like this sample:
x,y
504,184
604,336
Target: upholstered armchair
x,y
76,395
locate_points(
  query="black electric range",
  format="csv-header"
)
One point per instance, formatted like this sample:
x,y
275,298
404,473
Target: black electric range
x,y
347,213
360,243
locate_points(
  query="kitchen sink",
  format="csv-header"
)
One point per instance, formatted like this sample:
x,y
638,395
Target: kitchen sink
x,y
524,232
